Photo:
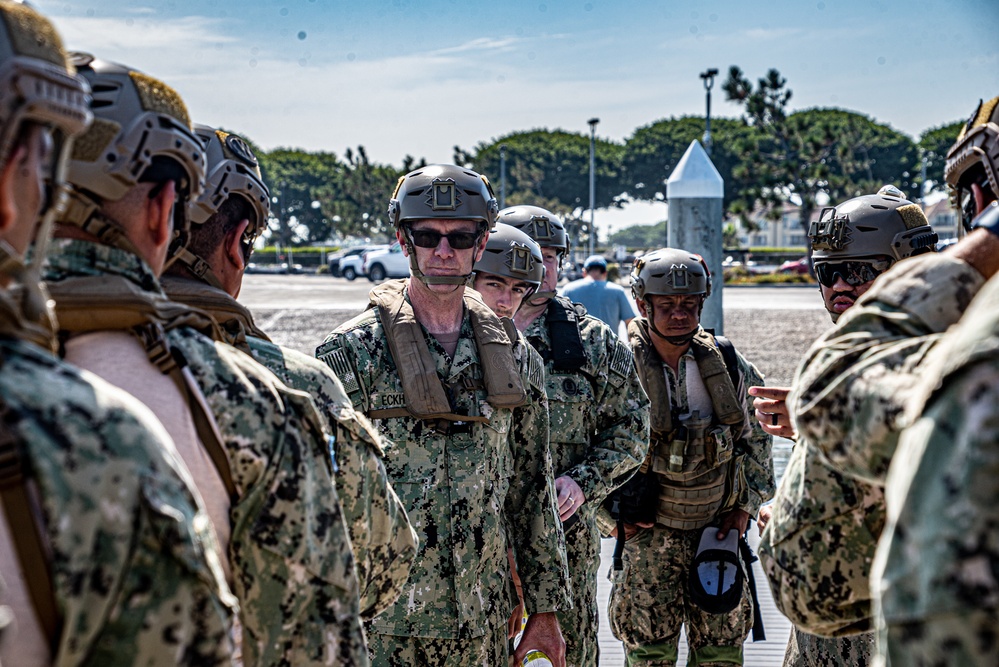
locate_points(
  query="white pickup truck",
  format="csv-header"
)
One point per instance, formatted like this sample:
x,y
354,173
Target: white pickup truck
x,y
390,263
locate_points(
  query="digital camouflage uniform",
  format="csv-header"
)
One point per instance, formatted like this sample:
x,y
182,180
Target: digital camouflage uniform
x,y
599,421
889,358
135,569
650,599
471,488
292,565
384,543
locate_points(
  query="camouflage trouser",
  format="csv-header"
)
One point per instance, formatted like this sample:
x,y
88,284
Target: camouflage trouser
x,y
489,650
651,600
969,638
579,624
805,650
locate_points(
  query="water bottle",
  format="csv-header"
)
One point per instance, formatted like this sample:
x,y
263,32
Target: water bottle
x,y
536,658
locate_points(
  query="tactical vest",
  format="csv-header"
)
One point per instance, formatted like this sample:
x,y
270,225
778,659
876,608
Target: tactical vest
x,y
694,458
234,319
424,392
115,303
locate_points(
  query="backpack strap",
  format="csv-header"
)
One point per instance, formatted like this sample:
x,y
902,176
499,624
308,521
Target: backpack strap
x,y
727,350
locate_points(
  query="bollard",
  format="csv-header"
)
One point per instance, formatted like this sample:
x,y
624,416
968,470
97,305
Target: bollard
x,y
694,192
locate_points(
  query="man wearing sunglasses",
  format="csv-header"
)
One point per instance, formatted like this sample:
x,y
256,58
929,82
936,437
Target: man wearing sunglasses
x,y
459,396
825,524
903,393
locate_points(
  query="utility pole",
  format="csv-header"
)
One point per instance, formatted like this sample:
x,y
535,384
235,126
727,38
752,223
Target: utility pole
x,y
709,80
502,201
593,177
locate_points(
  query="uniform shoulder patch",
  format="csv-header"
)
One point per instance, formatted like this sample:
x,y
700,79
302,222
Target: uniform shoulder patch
x,y
535,370
622,364
333,355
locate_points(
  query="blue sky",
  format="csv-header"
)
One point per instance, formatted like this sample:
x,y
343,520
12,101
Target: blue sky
x,y
419,77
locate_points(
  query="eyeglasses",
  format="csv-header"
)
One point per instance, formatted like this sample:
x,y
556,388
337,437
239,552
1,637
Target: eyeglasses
x,y
428,238
854,272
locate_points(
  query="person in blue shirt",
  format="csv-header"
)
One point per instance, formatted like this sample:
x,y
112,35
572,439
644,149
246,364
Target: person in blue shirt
x,y
603,300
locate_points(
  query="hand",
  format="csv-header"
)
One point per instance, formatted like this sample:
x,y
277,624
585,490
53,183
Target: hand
x,y
736,519
631,529
772,412
543,634
570,497
766,512
515,621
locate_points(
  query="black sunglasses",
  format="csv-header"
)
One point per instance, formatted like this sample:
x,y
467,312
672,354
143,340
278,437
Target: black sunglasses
x,y
428,238
854,272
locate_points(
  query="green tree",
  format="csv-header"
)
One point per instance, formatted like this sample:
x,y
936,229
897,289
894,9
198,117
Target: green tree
x,y
300,182
550,169
358,202
652,152
640,236
933,146
803,154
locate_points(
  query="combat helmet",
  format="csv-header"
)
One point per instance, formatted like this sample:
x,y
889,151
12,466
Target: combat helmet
x,y
973,160
670,271
513,254
547,230
37,85
441,191
232,171
141,134
864,236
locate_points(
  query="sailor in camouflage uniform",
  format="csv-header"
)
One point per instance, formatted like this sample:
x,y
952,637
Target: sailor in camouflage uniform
x,y
711,468
598,414
105,555
208,273
889,365
459,397
825,523
258,450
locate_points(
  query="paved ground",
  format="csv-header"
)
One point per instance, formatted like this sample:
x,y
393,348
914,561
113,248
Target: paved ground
x,y
772,327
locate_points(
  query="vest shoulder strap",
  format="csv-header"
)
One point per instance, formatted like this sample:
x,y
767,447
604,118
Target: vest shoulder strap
x,y
717,378
24,517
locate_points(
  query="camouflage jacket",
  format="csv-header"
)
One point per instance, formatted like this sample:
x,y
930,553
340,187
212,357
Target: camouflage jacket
x,y
853,387
938,557
293,569
135,568
384,542
598,413
850,397
470,493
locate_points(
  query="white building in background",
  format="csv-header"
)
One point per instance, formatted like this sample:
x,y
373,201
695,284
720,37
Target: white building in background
x,y
787,231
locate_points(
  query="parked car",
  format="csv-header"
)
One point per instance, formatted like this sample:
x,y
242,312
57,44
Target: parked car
x,y
388,263
797,267
352,266
334,258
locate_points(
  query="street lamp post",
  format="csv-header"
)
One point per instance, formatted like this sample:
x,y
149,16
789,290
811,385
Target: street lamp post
x,y
502,201
593,177
709,80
